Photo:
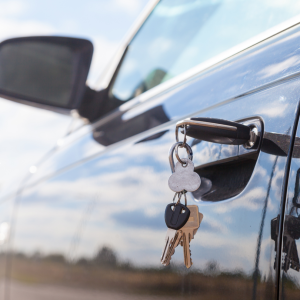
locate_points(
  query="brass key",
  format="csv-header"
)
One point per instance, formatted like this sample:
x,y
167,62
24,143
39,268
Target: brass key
x,y
188,232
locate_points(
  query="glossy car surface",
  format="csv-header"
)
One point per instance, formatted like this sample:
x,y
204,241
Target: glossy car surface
x,y
89,224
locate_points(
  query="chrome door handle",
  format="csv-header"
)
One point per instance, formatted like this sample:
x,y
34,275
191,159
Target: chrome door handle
x,y
218,131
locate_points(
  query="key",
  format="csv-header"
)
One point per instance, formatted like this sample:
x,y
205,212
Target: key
x,y
171,248
171,233
175,217
188,232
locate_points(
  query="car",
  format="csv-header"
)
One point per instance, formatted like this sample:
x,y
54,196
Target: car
x,y
216,79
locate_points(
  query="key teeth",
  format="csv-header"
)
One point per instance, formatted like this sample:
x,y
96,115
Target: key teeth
x,y
191,262
169,256
167,260
190,255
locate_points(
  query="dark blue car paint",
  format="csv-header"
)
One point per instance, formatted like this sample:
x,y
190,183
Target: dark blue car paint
x,y
113,198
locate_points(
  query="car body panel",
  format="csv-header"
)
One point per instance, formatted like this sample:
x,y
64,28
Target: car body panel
x,y
70,210
246,73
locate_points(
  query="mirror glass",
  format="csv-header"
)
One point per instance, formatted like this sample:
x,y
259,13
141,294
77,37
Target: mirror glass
x,y
38,71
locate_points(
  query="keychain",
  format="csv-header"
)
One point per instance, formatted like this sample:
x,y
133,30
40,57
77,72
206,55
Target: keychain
x,y
182,221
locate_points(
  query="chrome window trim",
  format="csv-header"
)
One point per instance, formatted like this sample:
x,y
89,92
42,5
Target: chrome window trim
x,y
105,80
108,73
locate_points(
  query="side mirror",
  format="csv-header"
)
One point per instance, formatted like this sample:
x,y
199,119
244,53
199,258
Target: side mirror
x,y
48,72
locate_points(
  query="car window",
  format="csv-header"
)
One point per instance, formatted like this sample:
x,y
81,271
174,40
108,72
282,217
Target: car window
x,y
179,34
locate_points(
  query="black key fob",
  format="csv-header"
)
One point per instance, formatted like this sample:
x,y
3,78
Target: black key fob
x,y
176,215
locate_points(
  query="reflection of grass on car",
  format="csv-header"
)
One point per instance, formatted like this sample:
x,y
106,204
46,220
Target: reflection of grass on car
x,y
104,272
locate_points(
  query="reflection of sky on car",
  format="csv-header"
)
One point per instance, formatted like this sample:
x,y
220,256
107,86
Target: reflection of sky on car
x,y
121,182
129,192
172,106
135,207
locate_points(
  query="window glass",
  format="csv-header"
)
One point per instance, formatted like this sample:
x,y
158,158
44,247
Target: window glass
x,y
180,34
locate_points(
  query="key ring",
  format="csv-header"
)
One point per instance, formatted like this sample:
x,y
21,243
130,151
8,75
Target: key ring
x,y
184,163
184,133
179,197
171,151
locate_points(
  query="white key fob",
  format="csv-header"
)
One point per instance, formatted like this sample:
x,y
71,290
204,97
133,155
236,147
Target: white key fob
x,y
184,177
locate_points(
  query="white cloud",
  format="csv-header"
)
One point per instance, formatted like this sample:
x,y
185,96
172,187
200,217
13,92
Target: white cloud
x,y
288,5
277,109
13,28
252,199
12,8
129,6
279,67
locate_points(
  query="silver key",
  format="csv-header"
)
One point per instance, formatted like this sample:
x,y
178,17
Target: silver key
x,y
170,248
168,242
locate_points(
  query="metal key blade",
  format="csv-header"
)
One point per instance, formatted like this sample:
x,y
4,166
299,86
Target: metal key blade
x,y
171,249
186,249
188,231
168,240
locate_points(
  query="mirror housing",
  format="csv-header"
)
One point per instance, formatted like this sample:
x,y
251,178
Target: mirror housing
x,y
45,71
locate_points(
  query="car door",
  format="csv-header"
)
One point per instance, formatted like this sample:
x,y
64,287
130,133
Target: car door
x,y
90,222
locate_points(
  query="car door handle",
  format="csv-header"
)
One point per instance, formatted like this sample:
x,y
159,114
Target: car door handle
x,y
219,166
218,131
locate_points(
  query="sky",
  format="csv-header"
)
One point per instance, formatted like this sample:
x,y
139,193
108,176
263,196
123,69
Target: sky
x,y
104,22
23,128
